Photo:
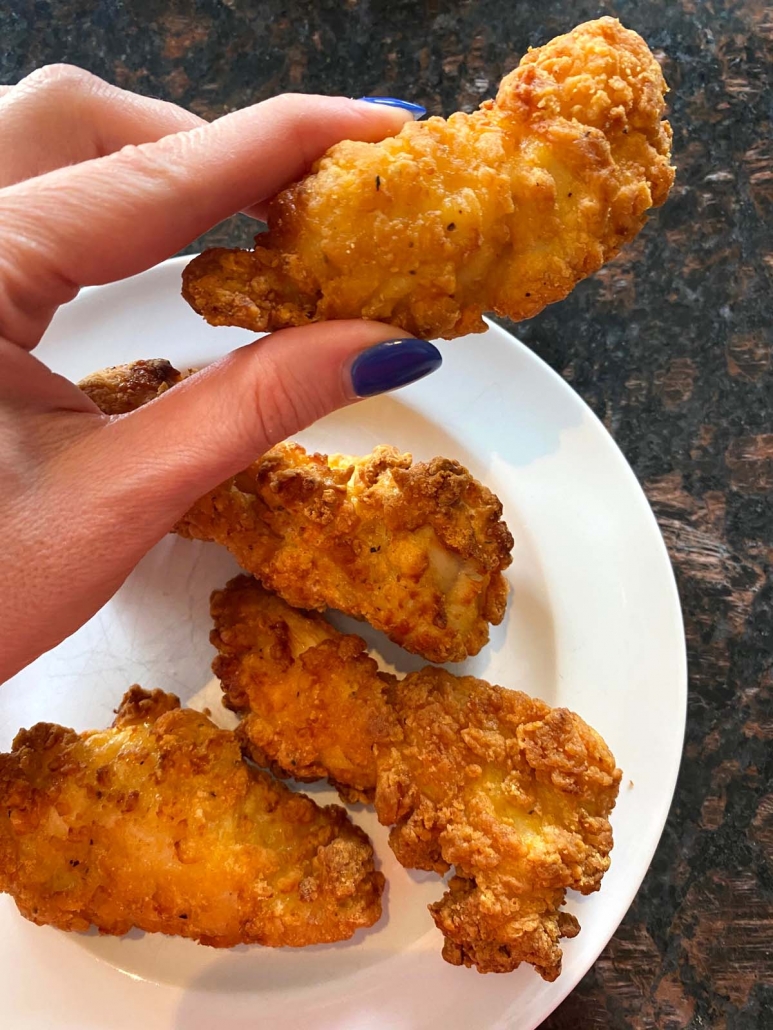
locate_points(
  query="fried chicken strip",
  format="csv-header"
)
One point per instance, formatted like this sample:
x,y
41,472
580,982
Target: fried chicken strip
x,y
502,210
513,794
313,696
158,823
417,549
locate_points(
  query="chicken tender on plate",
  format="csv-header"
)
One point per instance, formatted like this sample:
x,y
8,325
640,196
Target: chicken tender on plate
x,y
514,795
159,823
501,210
417,549
311,694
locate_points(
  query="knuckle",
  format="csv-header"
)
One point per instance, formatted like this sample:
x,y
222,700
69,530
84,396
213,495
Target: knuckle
x,y
292,113
59,77
287,103
154,164
278,411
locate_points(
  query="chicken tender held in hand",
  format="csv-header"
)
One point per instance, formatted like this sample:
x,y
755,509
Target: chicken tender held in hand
x,y
158,823
501,210
514,795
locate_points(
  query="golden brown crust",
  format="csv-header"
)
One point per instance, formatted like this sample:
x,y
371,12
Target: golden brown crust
x,y
265,648
513,794
158,823
502,210
415,549
143,706
122,388
493,931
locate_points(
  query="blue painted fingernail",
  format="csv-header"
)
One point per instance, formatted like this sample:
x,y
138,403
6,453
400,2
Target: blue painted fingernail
x,y
415,109
392,364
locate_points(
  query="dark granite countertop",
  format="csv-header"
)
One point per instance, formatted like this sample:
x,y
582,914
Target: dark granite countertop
x,y
670,344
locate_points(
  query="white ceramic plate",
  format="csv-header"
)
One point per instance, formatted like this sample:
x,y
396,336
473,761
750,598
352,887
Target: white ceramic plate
x,y
593,624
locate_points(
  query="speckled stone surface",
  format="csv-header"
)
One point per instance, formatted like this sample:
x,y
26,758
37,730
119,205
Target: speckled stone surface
x,y
671,346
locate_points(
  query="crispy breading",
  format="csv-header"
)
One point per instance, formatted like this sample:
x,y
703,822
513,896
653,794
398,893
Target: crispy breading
x,y
264,647
513,794
501,210
417,549
122,388
159,823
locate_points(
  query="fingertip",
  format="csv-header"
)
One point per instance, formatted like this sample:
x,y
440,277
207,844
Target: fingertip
x,y
390,365
381,120
339,118
416,111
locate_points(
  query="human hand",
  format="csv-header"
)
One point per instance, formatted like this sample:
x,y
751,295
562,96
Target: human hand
x,y
97,184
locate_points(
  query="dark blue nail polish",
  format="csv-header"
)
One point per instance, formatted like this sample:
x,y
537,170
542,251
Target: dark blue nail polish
x,y
386,366
415,109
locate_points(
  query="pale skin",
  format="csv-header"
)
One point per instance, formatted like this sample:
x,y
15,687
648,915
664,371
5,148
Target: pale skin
x,y
97,184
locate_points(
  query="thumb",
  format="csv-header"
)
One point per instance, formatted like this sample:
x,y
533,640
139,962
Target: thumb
x,y
216,422
111,488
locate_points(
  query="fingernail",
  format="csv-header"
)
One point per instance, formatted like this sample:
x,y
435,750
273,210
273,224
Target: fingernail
x,y
415,109
392,364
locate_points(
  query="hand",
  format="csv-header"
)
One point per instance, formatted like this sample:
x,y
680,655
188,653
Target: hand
x,y
97,184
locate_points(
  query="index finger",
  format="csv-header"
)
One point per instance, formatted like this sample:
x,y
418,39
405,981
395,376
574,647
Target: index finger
x,y
116,216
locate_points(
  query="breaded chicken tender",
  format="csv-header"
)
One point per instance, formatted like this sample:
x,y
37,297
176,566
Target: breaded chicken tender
x,y
312,695
504,210
417,549
514,795
159,823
